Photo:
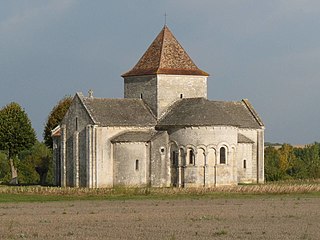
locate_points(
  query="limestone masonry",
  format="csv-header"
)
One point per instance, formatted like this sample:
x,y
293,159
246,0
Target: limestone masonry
x,y
165,132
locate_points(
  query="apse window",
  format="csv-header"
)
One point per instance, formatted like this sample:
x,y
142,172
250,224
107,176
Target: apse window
x,y
191,157
175,156
223,155
137,165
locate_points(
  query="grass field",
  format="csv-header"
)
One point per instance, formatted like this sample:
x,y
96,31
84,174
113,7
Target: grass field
x,y
283,210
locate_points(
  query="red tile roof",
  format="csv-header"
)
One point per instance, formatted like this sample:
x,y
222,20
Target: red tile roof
x,y
165,56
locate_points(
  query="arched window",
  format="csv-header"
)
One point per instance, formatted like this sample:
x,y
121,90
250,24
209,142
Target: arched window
x,y
191,157
223,155
174,158
182,157
76,124
244,163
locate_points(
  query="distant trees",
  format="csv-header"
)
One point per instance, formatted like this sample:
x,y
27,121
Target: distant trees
x,y
55,117
16,134
288,162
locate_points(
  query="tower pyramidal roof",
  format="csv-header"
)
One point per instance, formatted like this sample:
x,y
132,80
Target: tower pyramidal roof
x,y
165,55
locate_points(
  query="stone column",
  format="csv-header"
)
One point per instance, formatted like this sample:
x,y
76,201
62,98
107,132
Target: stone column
x,y
235,165
63,156
76,159
89,155
260,156
94,157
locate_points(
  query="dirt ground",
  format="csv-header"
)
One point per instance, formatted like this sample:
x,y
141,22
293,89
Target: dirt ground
x,y
252,218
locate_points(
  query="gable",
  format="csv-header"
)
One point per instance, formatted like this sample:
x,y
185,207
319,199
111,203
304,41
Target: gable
x,y
77,111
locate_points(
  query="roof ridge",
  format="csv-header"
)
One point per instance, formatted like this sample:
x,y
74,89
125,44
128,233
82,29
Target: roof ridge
x,y
113,99
161,49
252,111
167,30
146,106
169,109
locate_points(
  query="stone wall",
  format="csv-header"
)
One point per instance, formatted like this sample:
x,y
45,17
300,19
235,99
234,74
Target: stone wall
x,y
257,136
144,87
205,143
159,162
245,163
171,88
131,164
161,91
105,152
75,122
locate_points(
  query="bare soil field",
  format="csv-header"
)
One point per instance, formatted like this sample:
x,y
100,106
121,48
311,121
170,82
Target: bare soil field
x,y
262,217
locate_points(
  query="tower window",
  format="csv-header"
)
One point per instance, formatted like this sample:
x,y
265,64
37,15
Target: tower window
x,y
141,96
137,165
223,155
76,124
162,150
244,163
181,95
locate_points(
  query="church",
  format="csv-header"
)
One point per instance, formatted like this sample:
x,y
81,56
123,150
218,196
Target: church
x,y
165,132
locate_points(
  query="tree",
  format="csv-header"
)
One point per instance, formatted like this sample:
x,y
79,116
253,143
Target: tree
x,y
312,160
16,134
272,164
286,158
55,117
35,164
4,168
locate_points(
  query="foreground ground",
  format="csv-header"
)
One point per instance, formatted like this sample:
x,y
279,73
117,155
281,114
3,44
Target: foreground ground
x,y
259,217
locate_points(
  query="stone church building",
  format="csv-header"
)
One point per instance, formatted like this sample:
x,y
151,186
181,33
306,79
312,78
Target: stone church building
x,y
164,132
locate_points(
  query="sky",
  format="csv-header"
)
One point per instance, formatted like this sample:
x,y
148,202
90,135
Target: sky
x,y
265,51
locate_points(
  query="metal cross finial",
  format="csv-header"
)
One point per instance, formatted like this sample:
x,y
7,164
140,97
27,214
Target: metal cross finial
x,y
165,18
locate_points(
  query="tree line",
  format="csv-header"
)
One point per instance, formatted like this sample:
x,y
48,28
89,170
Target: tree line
x,y
288,162
23,159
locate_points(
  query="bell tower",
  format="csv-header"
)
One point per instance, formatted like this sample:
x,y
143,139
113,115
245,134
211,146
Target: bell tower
x,y
164,74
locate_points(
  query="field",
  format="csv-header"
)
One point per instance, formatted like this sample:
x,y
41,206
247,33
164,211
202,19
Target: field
x,y
160,214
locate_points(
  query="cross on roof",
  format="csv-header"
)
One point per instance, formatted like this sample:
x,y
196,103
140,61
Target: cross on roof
x,y
165,18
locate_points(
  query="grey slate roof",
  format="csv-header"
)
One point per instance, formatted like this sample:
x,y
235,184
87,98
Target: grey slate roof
x,y
185,112
135,136
244,139
203,112
119,112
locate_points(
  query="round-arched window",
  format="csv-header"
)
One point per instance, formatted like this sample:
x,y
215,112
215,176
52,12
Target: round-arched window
x,y
223,155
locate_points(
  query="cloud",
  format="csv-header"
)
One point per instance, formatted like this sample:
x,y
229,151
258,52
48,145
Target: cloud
x,y
38,15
